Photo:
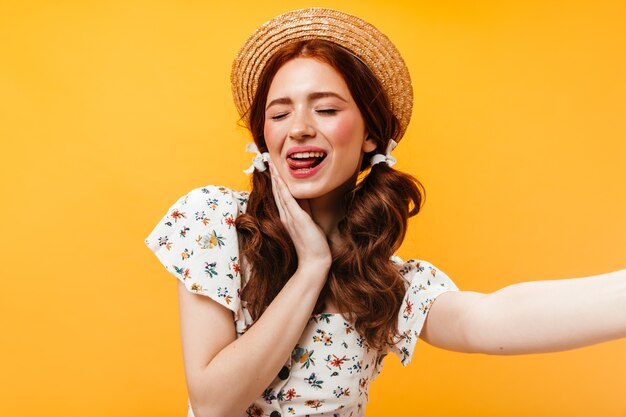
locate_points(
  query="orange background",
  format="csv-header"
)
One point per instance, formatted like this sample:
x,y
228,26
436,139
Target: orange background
x,y
111,110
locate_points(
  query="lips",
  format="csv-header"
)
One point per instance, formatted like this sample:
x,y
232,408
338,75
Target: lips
x,y
304,161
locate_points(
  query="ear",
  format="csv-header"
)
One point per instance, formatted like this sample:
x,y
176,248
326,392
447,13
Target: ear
x,y
369,145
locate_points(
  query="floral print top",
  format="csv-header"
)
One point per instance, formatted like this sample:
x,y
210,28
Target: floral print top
x,y
331,368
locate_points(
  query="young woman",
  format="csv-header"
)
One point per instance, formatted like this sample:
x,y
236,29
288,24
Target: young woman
x,y
308,255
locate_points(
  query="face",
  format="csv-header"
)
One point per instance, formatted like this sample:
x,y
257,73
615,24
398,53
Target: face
x,y
313,129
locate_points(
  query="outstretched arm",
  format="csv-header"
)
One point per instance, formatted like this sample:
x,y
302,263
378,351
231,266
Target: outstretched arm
x,y
531,317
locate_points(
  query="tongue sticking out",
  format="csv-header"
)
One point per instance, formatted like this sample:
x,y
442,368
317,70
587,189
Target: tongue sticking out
x,y
303,163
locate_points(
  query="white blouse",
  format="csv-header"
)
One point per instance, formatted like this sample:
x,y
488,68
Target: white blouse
x,y
330,368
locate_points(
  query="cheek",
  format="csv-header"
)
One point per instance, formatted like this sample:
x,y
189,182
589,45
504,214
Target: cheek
x,y
271,132
345,130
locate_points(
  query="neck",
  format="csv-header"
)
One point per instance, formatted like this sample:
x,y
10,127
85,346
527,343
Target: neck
x,y
327,213
329,209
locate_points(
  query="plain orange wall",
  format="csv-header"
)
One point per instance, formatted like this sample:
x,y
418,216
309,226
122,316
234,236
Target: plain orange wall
x,y
111,110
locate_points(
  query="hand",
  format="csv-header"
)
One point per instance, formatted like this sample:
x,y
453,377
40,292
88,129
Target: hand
x,y
308,238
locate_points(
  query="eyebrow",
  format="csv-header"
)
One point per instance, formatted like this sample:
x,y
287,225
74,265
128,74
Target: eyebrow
x,y
311,97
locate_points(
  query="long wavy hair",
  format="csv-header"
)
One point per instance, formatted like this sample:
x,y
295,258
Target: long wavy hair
x,y
363,282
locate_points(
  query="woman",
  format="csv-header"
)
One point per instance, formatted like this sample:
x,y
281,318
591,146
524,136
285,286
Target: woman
x,y
308,254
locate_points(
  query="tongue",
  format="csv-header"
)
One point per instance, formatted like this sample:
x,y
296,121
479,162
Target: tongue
x,y
303,163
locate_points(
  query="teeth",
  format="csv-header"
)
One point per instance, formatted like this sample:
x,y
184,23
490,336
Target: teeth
x,y
302,155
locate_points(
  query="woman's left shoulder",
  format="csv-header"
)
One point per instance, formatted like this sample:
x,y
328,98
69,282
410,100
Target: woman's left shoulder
x,y
420,270
424,283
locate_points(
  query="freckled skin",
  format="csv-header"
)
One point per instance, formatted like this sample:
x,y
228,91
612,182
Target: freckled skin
x,y
302,120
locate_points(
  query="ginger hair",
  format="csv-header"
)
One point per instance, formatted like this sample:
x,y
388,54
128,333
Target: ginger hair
x,y
363,281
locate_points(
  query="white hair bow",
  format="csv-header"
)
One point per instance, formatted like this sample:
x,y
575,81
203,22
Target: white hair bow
x,y
387,158
258,162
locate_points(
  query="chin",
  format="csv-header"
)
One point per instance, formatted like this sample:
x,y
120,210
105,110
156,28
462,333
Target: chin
x,y
300,193
314,191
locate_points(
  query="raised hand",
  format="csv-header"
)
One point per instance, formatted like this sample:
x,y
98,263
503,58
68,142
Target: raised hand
x,y
308,238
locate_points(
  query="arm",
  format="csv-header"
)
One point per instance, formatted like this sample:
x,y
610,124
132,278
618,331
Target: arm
x,y
225,374
531,317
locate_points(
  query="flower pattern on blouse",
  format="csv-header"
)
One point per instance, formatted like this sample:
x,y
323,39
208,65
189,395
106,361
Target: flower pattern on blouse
x,y
331,367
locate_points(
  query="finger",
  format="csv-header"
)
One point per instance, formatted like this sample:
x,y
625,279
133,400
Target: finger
x,y
290,205
277,197
292,212
280,186
278,201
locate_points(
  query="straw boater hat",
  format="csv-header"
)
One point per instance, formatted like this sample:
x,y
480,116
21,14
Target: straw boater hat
x,y
359,37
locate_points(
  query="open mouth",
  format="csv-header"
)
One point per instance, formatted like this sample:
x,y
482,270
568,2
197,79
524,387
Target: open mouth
x,y
302,161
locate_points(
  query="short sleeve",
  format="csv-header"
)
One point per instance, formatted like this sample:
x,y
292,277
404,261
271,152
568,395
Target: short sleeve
x,y
425,283
196,241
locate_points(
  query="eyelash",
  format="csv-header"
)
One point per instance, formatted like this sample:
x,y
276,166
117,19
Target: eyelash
x,y
324,111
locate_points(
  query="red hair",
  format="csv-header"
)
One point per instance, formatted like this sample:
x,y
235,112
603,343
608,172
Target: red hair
x,y
362,280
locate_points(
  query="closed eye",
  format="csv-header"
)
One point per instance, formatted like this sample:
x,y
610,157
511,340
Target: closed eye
x,y
327,111
279,116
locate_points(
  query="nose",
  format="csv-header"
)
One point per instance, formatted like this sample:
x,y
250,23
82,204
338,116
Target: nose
x,y
301,126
